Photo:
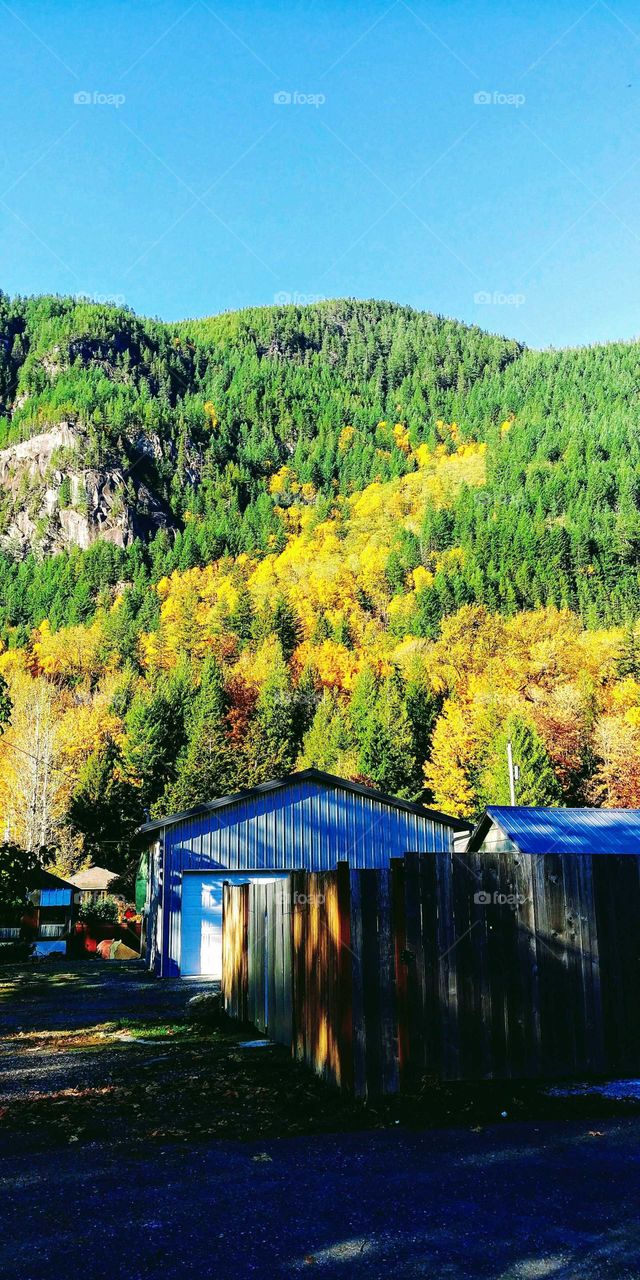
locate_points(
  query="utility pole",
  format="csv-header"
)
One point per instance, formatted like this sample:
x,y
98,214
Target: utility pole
x,y
512,774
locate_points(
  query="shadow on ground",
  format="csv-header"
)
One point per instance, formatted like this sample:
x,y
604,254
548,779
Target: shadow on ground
x,y
120,1124
50,995
100,1051
511,1203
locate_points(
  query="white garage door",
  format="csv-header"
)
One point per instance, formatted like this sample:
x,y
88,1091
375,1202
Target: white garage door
x,y
201,925
201,948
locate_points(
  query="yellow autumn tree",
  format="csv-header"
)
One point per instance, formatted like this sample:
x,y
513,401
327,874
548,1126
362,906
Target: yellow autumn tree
x,y
447,772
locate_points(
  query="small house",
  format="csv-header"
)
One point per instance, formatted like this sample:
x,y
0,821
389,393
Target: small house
x,y
46,921
308,821
94,884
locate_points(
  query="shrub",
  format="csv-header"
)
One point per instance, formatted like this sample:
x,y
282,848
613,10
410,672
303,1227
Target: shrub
x,y
104,911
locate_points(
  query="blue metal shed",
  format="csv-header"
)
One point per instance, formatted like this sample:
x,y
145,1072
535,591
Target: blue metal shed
x,y
538,830
310,820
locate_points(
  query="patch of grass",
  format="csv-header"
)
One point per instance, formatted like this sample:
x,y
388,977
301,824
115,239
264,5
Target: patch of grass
x,y
106,1035
155,1031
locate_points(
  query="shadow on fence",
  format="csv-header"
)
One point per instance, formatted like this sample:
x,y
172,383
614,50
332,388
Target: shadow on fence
x,y
457,966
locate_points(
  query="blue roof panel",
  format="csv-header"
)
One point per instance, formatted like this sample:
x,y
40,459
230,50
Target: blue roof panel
x,y
570,830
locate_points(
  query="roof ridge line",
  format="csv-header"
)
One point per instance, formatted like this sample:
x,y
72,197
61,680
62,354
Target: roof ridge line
x,y
314,775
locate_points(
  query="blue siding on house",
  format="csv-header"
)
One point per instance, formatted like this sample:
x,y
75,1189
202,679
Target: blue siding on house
x,y
55,897
302,824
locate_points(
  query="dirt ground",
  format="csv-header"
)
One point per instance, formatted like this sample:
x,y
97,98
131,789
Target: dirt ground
x,y
136,1144
101,1051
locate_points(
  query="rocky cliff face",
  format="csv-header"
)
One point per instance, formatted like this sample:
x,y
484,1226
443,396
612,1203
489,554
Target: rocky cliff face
x,y
51,498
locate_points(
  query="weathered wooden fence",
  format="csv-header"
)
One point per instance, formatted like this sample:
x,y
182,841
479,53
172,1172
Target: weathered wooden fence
x,y
457,966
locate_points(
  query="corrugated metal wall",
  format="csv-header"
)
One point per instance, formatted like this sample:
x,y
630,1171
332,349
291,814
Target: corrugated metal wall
x,y
55,897
307,825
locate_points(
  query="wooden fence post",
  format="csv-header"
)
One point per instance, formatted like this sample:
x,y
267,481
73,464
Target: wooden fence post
x,y
399,929
344,976
226,985
359,1045
243,994
297,967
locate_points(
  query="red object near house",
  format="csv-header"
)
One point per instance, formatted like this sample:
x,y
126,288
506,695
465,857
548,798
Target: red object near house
x,y
84,940
92,937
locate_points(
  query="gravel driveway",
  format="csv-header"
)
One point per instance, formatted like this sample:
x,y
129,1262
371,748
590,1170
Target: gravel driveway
x,y
115,1160
509,1203
50,995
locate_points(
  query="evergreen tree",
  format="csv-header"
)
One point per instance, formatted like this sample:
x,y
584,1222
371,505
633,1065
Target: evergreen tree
x,y
305,702
362,706
628,663
537,783
241,619
327,740
208,766
155,734
387,755
104,809
423,707
271,741
286,627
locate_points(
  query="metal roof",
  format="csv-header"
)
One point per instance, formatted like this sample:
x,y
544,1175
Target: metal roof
x,y
311,775
536,830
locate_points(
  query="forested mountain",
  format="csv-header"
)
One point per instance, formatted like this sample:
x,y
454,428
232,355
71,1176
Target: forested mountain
x,y
349,534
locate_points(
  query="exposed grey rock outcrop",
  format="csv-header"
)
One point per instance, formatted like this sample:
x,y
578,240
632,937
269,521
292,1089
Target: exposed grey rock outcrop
x,y
51,500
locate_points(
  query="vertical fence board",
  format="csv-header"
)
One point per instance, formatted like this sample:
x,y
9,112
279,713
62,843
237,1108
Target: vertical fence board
x,y
399,925
434,1017
528,1061
462,956
370,980
410,967
297,969
513,1019
357,990
387,983
577,873
287,958
446,960
345,960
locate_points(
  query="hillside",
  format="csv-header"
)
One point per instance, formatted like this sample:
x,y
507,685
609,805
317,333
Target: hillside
x,y
197,417
351,534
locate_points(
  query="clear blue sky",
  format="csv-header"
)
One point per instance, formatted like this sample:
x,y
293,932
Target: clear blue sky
x,y
199,193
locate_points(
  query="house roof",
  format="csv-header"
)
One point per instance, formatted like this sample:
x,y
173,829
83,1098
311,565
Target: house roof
x,y
43,879
310,775
97,878
563,830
